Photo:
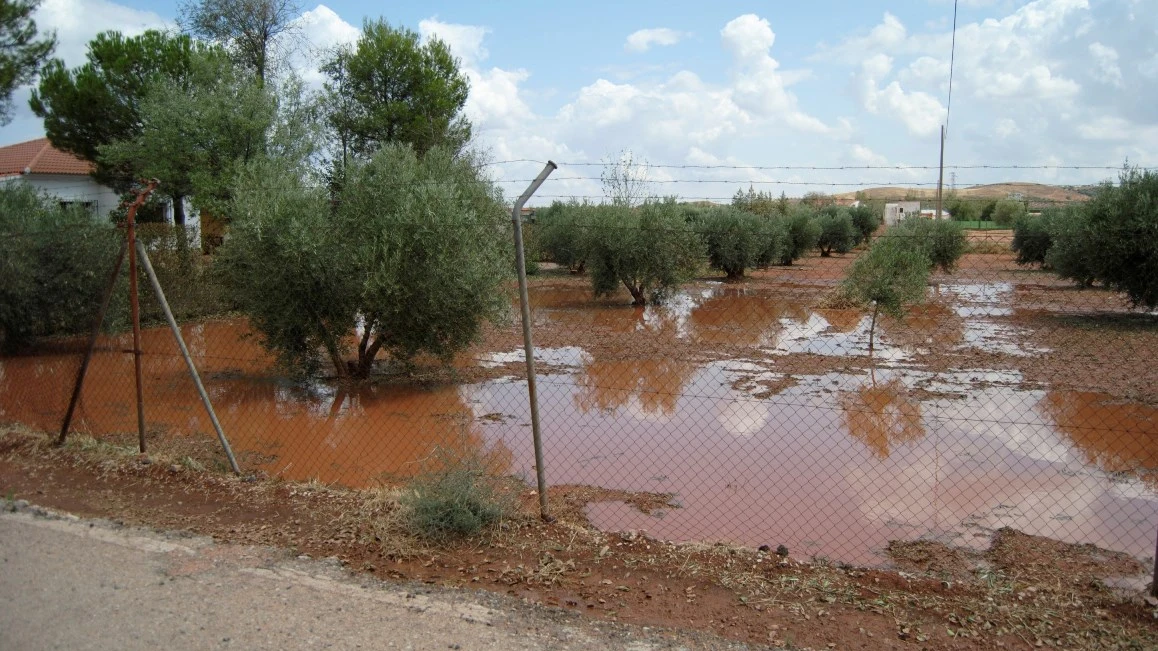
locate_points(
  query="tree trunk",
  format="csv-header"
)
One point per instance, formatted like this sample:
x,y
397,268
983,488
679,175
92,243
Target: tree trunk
x,y
735,274
366,358
872,329
637,295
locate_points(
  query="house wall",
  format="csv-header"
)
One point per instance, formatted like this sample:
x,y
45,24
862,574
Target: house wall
x,y
71,188
895,212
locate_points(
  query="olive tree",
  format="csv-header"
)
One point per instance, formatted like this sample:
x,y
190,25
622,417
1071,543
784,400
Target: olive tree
x,y
942,241
1113,238
562,230
738,241
837,232
412,260
803,234
650,250
1007,211
889,277
1031,237
865,219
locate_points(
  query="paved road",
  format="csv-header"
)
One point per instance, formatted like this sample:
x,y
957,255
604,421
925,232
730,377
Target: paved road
x,y
67,583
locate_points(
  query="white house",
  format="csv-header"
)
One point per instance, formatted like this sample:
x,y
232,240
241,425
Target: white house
x,y
57,174
64,176
895,212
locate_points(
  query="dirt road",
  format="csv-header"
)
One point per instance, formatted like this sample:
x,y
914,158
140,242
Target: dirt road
x,y
80,584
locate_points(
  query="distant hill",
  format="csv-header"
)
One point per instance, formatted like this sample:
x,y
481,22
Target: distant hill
x,y
1035,193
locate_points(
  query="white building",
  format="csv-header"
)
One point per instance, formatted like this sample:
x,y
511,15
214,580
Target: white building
x,y
56,174
895,212
69,179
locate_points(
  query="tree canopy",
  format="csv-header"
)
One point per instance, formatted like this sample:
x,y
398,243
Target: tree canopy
x,y
99,102
413,259
21,52
197,152
247,28
393,88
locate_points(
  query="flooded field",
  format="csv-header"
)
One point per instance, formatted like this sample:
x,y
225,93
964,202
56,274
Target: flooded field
x,y
759,412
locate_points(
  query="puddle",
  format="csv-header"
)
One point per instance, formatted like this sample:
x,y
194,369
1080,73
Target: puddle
x,y
567,356
816,336
835,466
314,432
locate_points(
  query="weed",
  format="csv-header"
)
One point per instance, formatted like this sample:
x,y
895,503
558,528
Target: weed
x,y
456,495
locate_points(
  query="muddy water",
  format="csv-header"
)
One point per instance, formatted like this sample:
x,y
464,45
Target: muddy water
x,y
836,466
832,465
352,438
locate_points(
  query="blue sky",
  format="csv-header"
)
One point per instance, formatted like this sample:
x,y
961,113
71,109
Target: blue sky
x,y
827,84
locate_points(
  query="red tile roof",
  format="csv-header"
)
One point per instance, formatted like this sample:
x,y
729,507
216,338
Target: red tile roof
x,y
40,157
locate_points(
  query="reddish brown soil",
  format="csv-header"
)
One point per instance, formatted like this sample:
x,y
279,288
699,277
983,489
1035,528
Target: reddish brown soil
x,y
1024,592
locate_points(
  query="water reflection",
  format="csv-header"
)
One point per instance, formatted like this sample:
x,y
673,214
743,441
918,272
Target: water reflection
x,y
882,415
741,317
1115,436
647,387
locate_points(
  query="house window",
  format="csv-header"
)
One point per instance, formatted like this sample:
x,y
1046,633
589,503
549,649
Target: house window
x,y
87,206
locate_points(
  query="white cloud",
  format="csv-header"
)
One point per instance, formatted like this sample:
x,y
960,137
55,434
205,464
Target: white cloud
x,y
77,22
1106,59
322,31
920,112
642,40
758,85
1006,127
464,41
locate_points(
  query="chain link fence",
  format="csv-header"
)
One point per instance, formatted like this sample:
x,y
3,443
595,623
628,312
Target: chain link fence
x,y
1005,398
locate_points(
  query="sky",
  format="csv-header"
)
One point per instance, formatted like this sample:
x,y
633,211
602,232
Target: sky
x,y
719,96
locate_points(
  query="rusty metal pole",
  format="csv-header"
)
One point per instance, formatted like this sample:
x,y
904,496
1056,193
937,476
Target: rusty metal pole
x,y
135,308
528,347
92,339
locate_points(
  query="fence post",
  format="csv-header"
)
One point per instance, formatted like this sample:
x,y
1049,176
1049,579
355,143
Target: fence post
x,y
528,347
185,353
135,307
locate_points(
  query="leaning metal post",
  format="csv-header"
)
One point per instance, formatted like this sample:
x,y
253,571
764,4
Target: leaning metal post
x,y
148,266
528,347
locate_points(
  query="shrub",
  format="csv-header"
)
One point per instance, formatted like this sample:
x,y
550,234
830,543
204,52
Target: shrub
x,y
650,250
837,232
1071,250
562,233
416,255
1031,238
54,265
866,220
458,496
1007,211
963,210
1113,238
738,241
942,242
803,233
191,288
987,210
